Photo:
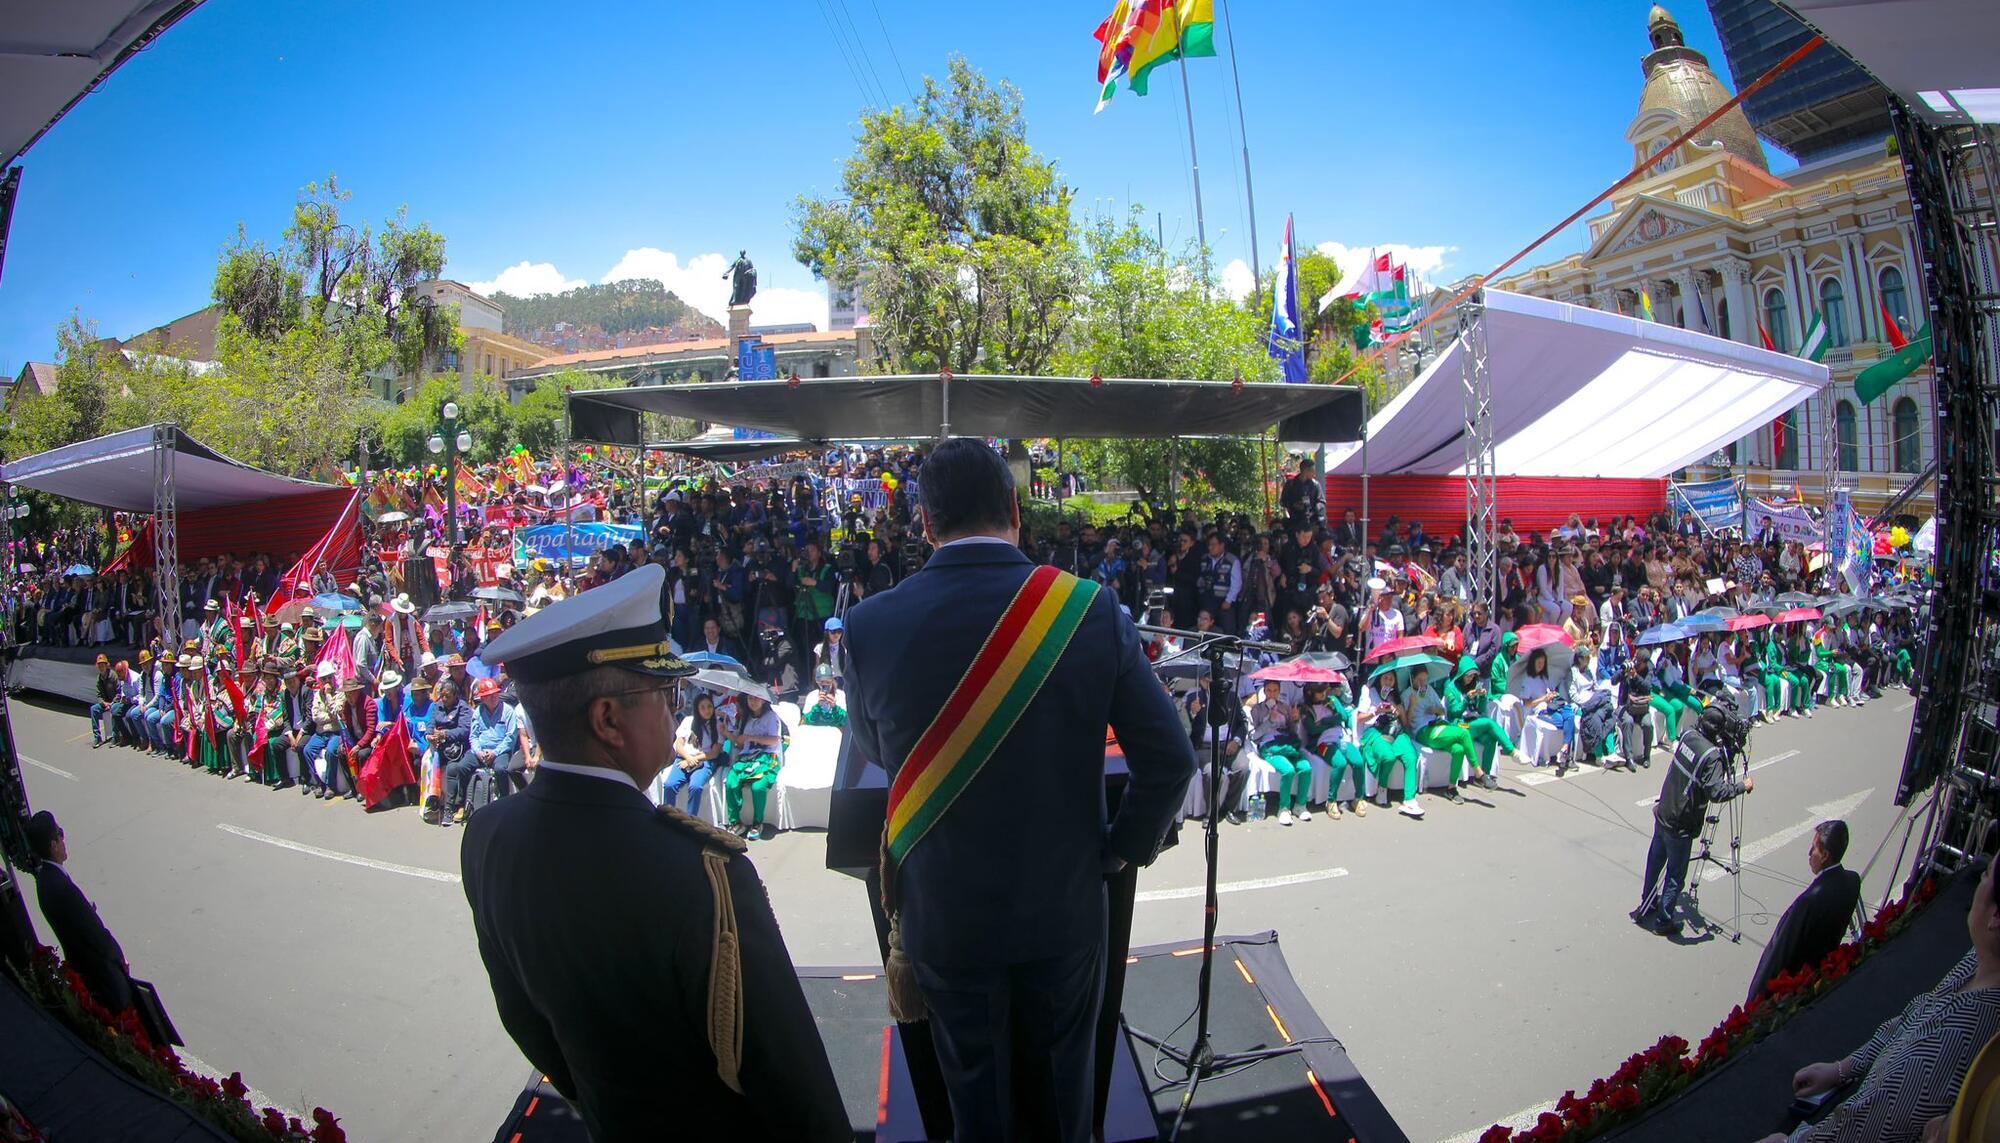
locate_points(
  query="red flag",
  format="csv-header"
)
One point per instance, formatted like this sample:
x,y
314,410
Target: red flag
x,y
260,737
235,698
1777,439
1891,330
388,768
1765,334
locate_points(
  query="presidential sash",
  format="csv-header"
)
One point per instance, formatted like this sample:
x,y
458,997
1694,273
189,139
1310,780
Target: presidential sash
x,y
989,699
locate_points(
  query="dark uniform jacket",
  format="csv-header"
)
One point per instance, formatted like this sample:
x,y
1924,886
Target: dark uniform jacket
x,y
595,921
87,945
1013,870
1812,927
1697,776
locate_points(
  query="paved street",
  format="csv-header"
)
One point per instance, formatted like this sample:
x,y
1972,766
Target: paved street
x,y
1476,963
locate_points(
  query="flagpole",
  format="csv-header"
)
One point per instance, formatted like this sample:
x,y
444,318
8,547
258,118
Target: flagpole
x,y
1194,160
1243,130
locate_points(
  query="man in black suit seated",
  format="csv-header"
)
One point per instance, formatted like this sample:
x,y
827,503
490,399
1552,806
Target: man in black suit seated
x,y
1816,922
632,951
87,945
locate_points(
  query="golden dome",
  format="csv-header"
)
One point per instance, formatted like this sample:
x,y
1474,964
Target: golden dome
x,y
1679,80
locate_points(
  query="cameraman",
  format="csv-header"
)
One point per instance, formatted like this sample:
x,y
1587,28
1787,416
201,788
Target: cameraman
x,y
1701,774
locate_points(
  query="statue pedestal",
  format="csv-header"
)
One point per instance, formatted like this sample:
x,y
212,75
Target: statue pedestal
x,y
739,327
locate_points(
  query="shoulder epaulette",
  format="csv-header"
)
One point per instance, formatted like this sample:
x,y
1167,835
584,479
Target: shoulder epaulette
x,y
706,833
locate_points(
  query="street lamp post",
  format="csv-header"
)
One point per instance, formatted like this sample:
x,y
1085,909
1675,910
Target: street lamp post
x,y
450,441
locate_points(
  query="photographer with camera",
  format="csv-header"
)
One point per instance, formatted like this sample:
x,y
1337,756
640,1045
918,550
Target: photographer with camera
x,y
813,597
1701,774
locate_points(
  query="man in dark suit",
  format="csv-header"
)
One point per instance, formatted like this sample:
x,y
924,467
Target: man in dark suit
x,y
1816,922
87,945
632,951
1003,917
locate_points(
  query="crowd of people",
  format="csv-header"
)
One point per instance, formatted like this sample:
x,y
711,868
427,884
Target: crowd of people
x,y
761,565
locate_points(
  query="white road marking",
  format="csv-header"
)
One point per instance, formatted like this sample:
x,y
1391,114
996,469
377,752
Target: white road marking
x,y
1541,778
336,855
1905,705
57,771
1773,760
1237,886
1523,1118
1765,846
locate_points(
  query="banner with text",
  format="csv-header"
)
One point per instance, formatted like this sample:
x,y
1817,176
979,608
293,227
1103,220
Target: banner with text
x,y
1787,521
577,544
1717,504
1851,544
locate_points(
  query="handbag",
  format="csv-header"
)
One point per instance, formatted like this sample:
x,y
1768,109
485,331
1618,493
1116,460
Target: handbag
x,y
153,1014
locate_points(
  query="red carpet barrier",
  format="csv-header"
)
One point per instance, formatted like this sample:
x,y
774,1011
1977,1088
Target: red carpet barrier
x,y
1534,503
287,527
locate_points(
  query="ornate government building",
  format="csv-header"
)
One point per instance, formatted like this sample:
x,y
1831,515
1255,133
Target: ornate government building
x,y
1721,244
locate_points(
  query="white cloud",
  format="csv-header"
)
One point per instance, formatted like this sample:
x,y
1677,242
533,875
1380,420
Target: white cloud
x,y
700,282
1237,281
1427,261
525,279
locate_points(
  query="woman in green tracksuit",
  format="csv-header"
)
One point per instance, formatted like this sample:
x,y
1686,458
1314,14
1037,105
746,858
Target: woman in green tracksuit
x,y
1772,656
1323,721
1424,713
1800,668
1672,697
1274,728
1831,664
1464,698
1385,741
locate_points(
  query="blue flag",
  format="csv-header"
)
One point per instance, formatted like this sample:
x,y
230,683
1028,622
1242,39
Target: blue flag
x,y
1286,342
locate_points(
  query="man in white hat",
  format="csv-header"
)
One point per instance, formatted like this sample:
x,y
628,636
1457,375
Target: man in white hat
x,y
603,921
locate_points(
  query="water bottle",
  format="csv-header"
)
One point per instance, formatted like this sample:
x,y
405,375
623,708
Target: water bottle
x,y
1256,806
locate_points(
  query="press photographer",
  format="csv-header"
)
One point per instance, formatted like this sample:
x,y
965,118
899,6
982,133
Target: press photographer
x,y
1703,772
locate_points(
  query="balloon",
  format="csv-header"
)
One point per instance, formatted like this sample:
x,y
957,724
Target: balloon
x,y
1899,536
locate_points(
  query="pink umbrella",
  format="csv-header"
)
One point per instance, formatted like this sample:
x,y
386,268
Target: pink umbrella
x,y
1536,635
1797,615
1296,672
1749,622
1406,644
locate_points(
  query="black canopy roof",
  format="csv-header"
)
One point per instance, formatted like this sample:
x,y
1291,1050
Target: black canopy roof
x,y
927,406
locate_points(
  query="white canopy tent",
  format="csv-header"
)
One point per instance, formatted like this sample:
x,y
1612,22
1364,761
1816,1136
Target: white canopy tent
x,y
121,471
1579,392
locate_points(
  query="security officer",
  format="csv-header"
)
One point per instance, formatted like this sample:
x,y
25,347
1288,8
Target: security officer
x,y
632,951
1700,774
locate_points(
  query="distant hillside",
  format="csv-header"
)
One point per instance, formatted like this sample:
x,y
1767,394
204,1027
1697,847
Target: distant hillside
x,y
612,308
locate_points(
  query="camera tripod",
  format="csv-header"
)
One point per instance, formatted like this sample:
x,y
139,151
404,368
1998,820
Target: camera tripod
x,y
1733,866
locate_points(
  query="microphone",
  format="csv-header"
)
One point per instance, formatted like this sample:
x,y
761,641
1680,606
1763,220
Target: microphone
x,y
1205,637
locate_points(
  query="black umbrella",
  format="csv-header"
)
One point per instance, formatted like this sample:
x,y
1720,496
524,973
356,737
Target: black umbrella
x,y
1718,612
1331,660
1798,599
1190,665
449,611
499,595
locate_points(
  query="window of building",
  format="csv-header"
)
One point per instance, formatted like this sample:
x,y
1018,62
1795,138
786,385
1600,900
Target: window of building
x,y
451,361
1895,299
1722,319
1907,441
1788,449
1847,435
1833,310
1778,320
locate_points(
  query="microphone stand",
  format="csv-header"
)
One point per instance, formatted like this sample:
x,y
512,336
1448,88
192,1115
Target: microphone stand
x,y
1200,1059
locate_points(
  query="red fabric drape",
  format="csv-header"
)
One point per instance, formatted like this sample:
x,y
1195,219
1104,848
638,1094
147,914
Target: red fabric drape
x,y
327,520
1534,503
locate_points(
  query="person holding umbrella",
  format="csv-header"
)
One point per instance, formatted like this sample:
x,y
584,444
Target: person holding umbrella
x,y
1274,728
753,744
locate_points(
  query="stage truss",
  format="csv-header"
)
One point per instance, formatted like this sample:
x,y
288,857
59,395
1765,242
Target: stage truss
x,y
1955,735
166,537
1481,477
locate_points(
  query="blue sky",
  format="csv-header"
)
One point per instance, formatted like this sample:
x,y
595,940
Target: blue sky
x,y
578,143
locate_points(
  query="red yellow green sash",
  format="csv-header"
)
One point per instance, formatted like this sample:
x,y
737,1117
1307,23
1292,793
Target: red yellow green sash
x,y
1003,679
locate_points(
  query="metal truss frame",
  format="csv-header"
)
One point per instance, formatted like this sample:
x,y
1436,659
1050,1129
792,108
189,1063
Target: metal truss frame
x,y
166,536
1481,480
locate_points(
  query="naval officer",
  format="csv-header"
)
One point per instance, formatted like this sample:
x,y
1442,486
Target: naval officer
x,y
632,951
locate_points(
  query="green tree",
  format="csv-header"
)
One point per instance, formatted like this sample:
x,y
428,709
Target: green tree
x,y
956,233
613,307
87,383
541,416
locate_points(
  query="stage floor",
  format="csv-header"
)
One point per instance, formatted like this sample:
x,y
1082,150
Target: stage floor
x,y
1314,1095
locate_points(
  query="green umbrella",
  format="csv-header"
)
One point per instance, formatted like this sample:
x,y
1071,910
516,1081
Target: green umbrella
x,y
1440,670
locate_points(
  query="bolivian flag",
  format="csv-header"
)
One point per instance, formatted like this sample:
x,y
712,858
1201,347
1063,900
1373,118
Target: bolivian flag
x,y
1139,35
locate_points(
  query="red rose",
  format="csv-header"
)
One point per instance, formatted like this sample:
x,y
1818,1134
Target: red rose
x,y
1671,1047
235,1088
326,1129
293,1126
1735,1022
1548,1129
1624,1097
1498,1133
1598,1088
273,1122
